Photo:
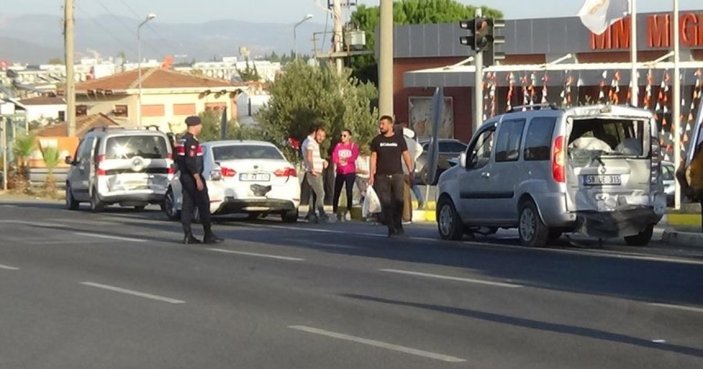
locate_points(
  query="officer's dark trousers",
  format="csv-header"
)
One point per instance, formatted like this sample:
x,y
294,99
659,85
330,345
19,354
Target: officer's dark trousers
x,y
390,192
192,198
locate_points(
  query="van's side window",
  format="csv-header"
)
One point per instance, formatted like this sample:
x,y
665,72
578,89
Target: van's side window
x,y
480,153
539,138
509,138
84,149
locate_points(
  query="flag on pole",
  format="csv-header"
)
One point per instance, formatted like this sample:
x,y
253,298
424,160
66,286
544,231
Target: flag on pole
x,y
598,15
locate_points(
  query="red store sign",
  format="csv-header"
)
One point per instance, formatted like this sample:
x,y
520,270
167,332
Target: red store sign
x,y
657,32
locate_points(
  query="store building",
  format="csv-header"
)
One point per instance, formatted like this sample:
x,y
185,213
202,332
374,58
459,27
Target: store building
x,y
555,60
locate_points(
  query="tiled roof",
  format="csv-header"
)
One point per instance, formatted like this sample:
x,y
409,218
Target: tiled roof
x,y
83,124
151,78
44,100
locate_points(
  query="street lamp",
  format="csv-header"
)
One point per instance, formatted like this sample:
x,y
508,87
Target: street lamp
x,y
149,17
295,41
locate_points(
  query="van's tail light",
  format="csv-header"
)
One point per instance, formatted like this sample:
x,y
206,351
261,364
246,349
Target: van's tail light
x,y
228,172
558,160
286,172
98,166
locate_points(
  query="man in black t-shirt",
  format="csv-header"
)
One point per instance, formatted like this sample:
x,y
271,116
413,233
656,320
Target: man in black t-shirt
x,y
387,176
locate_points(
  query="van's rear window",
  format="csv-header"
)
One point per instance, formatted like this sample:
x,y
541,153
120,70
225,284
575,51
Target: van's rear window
x,y
621,137
126,147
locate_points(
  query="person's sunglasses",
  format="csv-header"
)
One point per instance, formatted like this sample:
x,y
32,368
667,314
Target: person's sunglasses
x,y
345,135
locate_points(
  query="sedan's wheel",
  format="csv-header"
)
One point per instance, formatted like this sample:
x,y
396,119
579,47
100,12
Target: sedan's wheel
x,y
139,208
254,215
169,206
642,238
290,216
531,229
96,205
71,203
449,222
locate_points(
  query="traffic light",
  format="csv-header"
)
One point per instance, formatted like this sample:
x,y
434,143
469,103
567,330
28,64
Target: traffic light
x,y
478,33
492,55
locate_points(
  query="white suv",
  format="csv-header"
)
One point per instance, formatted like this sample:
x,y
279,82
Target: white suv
x,y
129,167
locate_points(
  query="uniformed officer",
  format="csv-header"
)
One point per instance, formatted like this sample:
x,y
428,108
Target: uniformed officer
x,y
195,193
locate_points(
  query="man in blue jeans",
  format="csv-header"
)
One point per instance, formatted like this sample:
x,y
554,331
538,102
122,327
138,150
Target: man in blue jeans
x,y
387,175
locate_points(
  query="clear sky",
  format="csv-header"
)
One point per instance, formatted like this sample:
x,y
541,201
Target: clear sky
x,y
289,11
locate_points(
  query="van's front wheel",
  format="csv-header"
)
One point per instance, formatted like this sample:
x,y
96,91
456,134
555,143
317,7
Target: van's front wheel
x,y
642,238
533,232
449,222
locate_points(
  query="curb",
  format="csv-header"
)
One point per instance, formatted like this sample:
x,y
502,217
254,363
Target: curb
x,y
677,238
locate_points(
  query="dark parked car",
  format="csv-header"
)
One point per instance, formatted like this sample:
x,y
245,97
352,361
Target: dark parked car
x,y
449,148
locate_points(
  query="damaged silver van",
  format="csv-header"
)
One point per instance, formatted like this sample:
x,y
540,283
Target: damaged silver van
x,y
595,170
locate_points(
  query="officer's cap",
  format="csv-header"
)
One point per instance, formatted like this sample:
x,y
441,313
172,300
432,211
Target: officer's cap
x,y
193,120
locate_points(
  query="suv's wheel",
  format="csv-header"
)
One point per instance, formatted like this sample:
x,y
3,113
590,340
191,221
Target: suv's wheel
x,y
169,206
96,205
71,203
642,238
531,229
449,222
289,216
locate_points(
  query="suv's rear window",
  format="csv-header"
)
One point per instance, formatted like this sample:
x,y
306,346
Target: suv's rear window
x,y
238,152
126,147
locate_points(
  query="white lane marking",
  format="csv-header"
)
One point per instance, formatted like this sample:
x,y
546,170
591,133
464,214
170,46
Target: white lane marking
x,y
34,224
66,242
133,293
331,245
678,307
106,237
268,256
7,267
81,221
379,344
450,278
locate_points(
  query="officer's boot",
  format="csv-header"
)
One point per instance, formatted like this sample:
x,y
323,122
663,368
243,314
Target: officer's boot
x,y
210,237
189,239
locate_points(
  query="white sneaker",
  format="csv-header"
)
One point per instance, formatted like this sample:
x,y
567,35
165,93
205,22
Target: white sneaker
x,y
407,222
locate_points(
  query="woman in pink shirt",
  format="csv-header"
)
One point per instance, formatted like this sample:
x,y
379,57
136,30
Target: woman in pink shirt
x,y
344,157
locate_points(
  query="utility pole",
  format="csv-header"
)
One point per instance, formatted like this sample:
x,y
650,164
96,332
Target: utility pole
x,y
478,86
338,35
676,97
385,62
70,92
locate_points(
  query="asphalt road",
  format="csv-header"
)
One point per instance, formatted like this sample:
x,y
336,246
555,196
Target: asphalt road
x,y
117,290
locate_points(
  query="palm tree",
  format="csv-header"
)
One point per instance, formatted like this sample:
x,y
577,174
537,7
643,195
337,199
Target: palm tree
x,y
52,158
22,148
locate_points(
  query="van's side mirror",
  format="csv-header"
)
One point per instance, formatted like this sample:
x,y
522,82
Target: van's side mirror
x,y
68,160
462,159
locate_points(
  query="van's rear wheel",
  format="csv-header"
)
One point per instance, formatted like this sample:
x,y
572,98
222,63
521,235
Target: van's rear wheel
x,y
533,232
96,205
71,203
289,216
642,238
449,222
169,206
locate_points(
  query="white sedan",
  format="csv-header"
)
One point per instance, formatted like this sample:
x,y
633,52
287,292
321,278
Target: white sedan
x,y
251,177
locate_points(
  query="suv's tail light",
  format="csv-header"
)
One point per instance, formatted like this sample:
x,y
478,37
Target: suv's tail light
x,y
98,166
558,160
286,172
227,172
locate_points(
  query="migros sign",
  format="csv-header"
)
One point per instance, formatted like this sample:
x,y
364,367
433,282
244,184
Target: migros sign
x,y
657,32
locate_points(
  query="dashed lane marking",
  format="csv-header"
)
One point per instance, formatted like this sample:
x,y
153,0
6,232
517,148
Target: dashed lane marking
x,y
678,307
450,278
378,344
133,293
7,267
268,256
106,237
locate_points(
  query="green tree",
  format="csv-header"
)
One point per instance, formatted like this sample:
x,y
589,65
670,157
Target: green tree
x,y
52,158
407,12
211,121
249,73
304,96
22,149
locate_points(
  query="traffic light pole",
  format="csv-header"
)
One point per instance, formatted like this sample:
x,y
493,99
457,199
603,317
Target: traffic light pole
x,y
478,86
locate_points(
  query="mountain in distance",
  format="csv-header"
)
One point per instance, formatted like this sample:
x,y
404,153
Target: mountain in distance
x,y
35,39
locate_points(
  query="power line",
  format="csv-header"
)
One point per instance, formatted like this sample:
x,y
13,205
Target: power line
x,y
108,31
153,29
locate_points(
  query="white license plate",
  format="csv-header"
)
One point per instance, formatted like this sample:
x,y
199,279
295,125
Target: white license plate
x,y
602,180
255,177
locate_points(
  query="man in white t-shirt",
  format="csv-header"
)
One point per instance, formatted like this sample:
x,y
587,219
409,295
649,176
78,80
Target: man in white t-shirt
x,y
314,166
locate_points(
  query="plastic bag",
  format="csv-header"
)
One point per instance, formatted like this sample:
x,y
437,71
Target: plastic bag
x,y
371,204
